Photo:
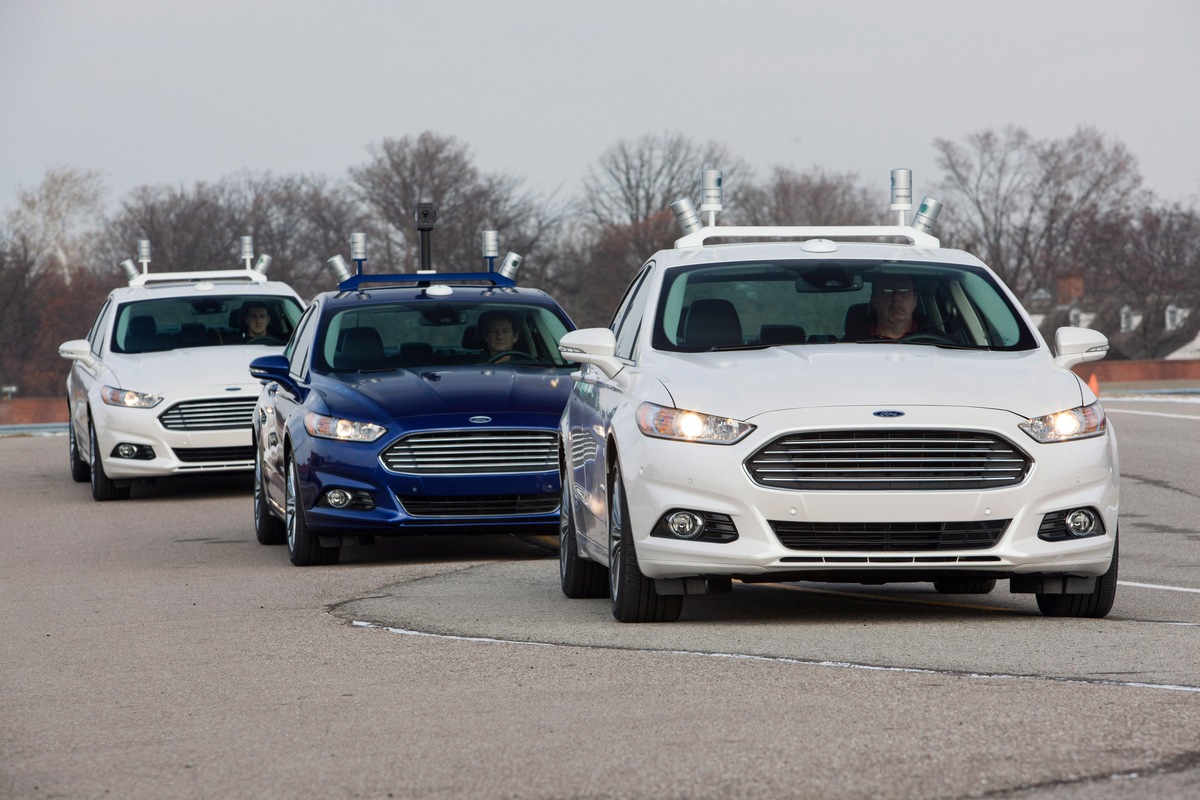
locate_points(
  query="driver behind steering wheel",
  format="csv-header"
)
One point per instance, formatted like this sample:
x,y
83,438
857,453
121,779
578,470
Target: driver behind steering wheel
x,y
498,330
893,301
256,317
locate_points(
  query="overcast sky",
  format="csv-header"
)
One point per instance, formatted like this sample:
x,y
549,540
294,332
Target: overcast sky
x,y
164,92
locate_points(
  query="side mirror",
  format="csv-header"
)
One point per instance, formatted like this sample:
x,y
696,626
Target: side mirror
x,y
1078,345
269,369
77,350
592,346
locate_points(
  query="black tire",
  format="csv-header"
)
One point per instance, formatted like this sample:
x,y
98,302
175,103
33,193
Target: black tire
x,y
304,548
578,576
634,598
268,528
965,586
104,488
80,471
1089,606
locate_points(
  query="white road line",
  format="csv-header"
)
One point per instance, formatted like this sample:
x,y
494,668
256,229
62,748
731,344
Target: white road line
x,y
781,660
1157,586
1108,410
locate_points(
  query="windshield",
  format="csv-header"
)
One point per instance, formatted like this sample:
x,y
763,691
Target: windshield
x,y
760,304
169,323
419,335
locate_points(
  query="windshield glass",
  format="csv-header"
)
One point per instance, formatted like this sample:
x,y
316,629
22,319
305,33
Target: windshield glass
x,y
420,335
760,304
169,323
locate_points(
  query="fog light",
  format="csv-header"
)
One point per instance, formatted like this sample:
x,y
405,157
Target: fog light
x,y
1081,522
685,524
338,498
126,450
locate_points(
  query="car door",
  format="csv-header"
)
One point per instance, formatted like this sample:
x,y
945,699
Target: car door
x,y
594,400
83,376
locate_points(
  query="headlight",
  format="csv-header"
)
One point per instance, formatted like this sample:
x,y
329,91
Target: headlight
x,y
1063,426
689,426
346,430
128,399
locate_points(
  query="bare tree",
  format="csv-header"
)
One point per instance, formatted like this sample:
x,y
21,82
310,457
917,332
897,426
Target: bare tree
x,y
813,198
636,180
56,220
1137,267
188,230
1021,204
439,169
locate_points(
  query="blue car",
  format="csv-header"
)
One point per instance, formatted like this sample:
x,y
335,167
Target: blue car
x,y
411,404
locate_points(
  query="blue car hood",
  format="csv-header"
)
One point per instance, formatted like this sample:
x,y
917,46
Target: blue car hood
x,y
504,393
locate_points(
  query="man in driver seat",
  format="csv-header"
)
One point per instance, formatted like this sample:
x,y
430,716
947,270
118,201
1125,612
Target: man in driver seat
x,y
893,299
255,320
500,336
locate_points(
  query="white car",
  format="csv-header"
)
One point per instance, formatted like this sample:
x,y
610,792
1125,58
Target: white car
x,y
749,415
161,385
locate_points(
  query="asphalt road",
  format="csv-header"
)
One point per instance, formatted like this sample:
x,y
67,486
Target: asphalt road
x,y
151,648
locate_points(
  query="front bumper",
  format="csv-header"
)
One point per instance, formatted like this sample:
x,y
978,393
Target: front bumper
x,y
176,452
411,504
663,475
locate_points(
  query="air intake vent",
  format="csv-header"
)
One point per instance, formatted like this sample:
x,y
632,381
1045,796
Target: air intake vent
x,y
487,452
891,460
209,415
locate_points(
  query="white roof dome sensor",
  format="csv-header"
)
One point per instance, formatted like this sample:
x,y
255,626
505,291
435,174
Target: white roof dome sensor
x,y
439,290
819,246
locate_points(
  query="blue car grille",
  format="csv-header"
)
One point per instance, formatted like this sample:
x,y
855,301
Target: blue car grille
x,y
209,415
482,505
892,460
489,452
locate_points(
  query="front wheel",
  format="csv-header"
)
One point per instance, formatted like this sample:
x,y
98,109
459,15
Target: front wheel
x,y
1095,605
304,548
103,487
80,471
634,598
578,576
268,528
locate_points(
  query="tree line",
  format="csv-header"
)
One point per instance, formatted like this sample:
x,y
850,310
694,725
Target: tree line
x,y
1065,222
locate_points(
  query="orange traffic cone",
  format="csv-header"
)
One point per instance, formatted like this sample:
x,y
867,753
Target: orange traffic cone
x,y
1094,385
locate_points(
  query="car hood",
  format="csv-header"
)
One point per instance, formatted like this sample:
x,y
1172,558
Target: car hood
x,y
744,383
194,369
461,391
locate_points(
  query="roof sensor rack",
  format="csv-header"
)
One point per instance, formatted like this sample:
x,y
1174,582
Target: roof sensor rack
x,y
696,234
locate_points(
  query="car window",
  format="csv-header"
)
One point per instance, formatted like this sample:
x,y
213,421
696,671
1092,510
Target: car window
x,y
420,335
758,304
176,322
300,345
96,334
627,321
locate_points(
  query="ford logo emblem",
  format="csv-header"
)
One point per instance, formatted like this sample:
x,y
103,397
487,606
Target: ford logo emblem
x,y
888,413
480,420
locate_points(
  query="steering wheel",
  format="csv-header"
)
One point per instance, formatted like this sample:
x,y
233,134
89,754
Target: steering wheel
x,y
928,336
514,354
264,340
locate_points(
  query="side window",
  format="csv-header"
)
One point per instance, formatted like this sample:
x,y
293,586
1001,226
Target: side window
x,y
628,319
96,334
299,346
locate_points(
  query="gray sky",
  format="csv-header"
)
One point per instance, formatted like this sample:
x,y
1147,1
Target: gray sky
x,y
166,92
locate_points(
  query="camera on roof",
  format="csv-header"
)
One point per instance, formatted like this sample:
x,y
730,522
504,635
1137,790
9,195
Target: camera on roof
x,y
425,215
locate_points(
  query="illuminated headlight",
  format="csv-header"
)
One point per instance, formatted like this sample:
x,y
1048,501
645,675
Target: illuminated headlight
x,y
128,399
346,430
689,426
1078,423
